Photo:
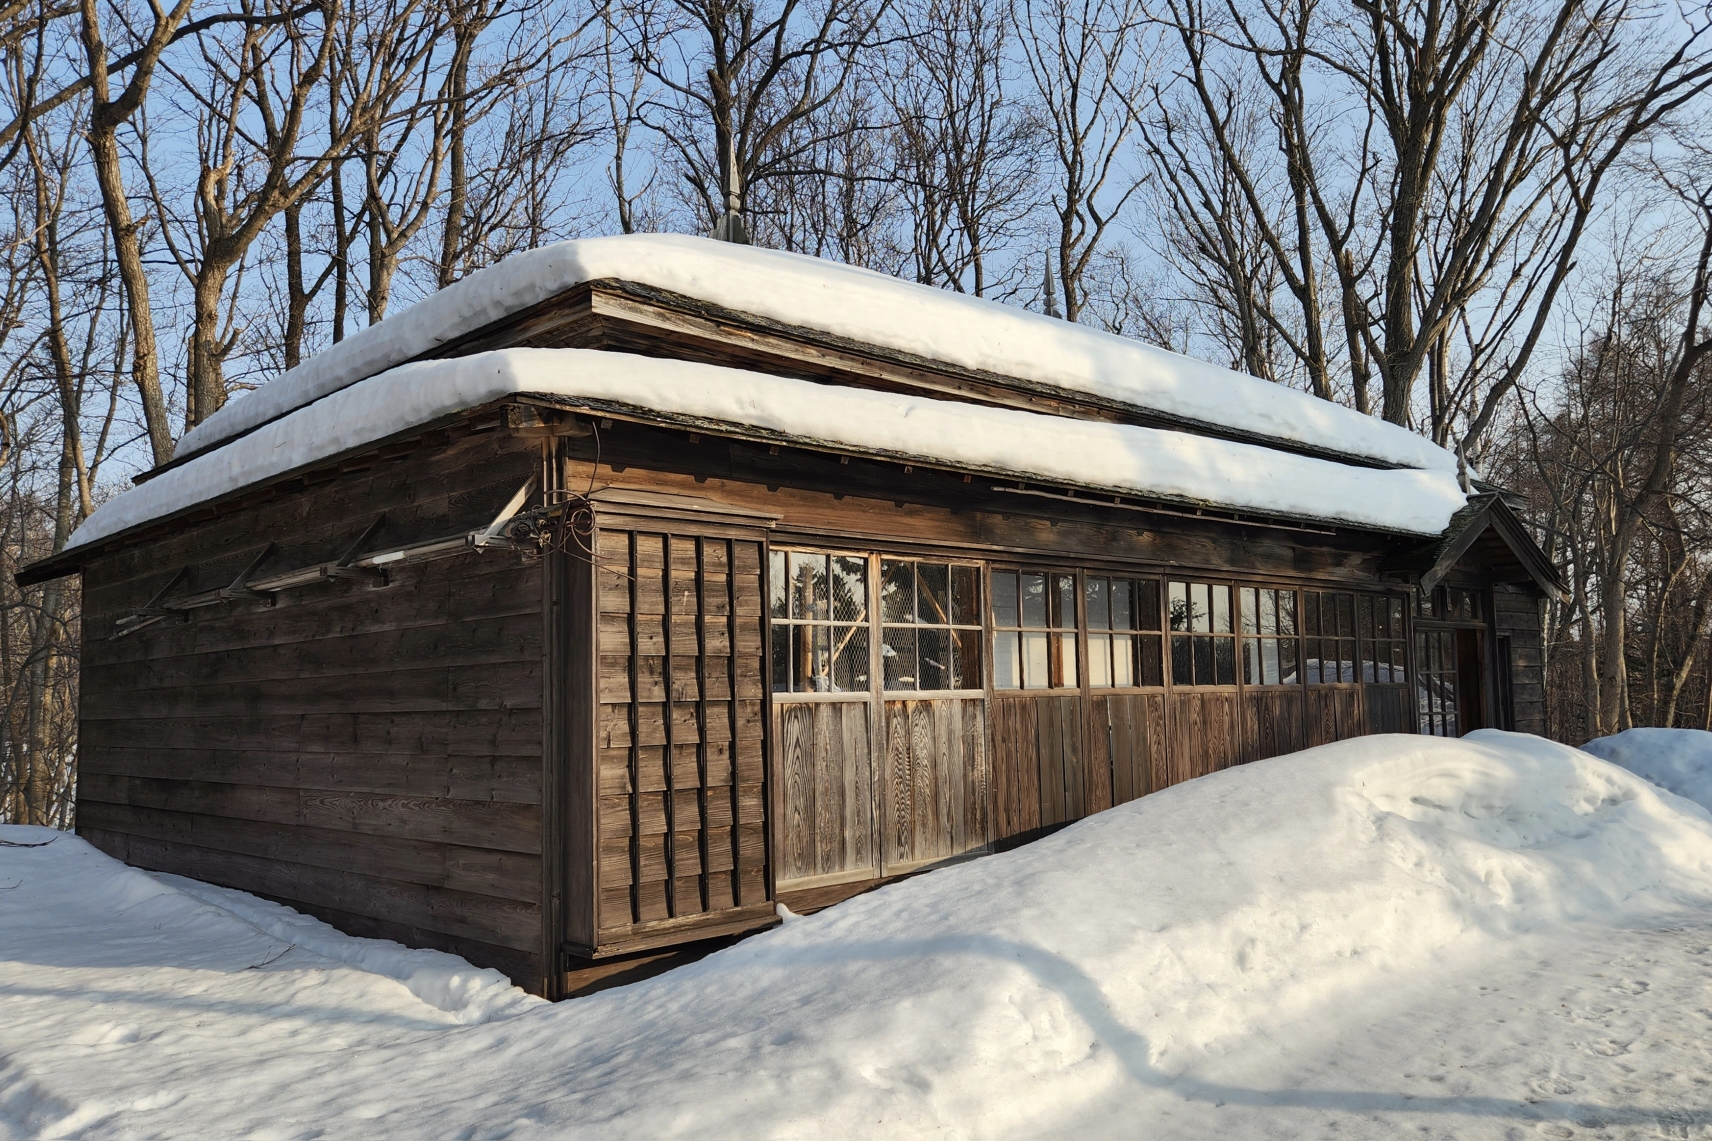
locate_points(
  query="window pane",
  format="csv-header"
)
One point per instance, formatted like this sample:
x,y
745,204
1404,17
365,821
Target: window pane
x,y
1123,604
965,596
1287,672
1311,612
1034,600
966,659
933,652
1287,612
1182,668
897,592
1250,662
1100,660
1397,650
1067,672
933,593
1364,616
1035,672
808,585
781,659
1200,607
1007,663
1269,662
1123,659
1224,654
1063,600
1150,670
1203,661
1396,617
850,658
1005,598
1096,593
1269,612
1345,617
1221,609
1381,619
1146,604
776,575
1248,599
820,657
1346,659
1179,605
849,589
899,654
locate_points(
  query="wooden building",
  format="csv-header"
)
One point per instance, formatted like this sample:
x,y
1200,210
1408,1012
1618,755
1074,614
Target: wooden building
x,y
637,605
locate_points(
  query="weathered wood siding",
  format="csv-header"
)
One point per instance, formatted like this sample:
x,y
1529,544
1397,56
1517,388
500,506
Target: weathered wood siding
x,y
680,732
934,796
824,759
370,756
1516,614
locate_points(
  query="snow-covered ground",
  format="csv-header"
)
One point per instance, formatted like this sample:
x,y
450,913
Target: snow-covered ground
x,y
1494,937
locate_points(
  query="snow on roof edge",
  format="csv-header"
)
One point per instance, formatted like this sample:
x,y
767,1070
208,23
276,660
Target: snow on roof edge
x,y
846,301
1150,461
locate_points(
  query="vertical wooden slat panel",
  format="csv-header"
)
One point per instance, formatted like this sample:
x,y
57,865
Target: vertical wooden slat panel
x,y
858,784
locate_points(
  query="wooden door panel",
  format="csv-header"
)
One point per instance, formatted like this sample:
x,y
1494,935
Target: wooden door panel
x,y
825,766
934,790
1206,735
1273,722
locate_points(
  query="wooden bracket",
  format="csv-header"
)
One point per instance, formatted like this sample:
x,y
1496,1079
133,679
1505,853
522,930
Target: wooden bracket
x,y
152,611
240,587
346,568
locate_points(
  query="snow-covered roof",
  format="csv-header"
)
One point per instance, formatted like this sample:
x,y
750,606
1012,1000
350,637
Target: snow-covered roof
x,y
854,304
1122,459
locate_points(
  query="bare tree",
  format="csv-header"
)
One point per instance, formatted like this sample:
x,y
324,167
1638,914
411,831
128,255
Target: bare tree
x,y
1087,61
738,80
968,148
1432,171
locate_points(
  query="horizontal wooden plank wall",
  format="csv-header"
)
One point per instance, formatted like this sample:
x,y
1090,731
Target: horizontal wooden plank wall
x,y
369,756
824,758
1516,614
680,734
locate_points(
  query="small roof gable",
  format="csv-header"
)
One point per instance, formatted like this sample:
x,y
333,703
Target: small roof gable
x,y
1489,529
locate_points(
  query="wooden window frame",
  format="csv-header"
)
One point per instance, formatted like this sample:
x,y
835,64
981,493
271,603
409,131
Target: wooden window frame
x,y
978,628
776,623
1214,637
1053,632
1157,635
1245,637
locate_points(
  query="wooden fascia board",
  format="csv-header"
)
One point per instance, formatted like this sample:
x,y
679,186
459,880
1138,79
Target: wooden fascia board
x,y
72,562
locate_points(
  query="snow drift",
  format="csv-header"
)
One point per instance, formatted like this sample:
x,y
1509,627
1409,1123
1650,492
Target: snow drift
x,y
843,301
1160,963
1676,759
1149,461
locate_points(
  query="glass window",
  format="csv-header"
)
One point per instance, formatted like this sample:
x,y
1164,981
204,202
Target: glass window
x,y
819,607
1120,612
1034,630
1383,645
1269,636
1203,644
930,625
1435,682
1328,645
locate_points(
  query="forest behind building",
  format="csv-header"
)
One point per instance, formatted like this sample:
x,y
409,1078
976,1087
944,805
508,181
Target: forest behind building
x,y
1487,220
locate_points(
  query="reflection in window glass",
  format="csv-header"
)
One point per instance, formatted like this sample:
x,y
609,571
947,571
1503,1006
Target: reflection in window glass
x,y
1269,636
1203,645
819,607
1034,636
1118,611
930,636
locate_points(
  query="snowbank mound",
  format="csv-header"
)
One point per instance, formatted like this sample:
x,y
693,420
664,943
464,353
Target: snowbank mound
x,y
1193,946
1676,759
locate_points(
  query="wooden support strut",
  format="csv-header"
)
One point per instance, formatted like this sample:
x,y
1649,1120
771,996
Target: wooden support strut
x,y
351,564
